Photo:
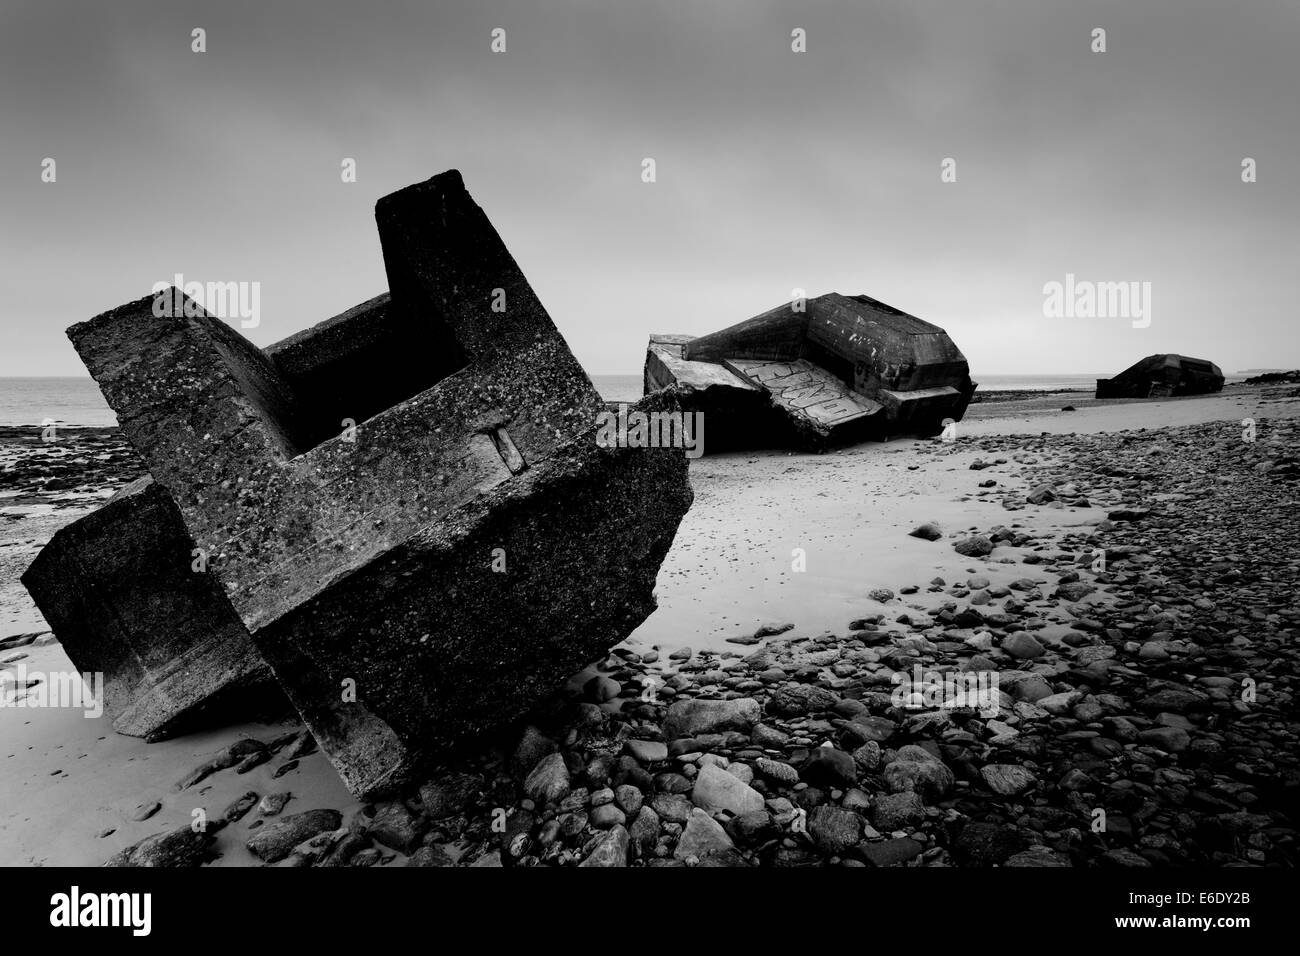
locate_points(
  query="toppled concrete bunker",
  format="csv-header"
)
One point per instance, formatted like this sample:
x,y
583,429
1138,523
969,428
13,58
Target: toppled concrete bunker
x,y
119,589
838,370
405,509
1163,376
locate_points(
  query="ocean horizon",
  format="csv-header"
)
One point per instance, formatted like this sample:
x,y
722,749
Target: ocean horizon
x,y
75,400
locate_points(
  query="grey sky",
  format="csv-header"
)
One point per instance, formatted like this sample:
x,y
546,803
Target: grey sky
x,y
775,170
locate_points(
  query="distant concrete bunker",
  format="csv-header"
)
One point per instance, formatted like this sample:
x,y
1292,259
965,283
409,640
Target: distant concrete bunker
x,y
841,369
1164,375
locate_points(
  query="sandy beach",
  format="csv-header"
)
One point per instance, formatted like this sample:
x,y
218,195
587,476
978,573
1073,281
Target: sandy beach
x,y
795,589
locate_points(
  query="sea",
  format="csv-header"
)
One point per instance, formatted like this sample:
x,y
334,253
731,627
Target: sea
x,y
77,401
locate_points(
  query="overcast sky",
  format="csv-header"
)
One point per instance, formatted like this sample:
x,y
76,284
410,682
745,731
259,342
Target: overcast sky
x,y
775,169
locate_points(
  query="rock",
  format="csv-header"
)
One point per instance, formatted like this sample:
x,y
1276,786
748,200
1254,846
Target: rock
x,y
610,849
891,852
549,780
976,546
601,689
850,708
18,640
1074,591
689,718
176,848
834,830
741,771
1008,780
1173,699
672,807
644,832
857,799
882,595
396,827
796,700
646,751
430,856
629,799
600,770
1032,688
703,837
1038,856
274,841
239,808
352,843
897,811
145,810
448,795
202,772
1124,858
981,843
1022,646
917,769
1060,704
302,745
1169,739
1041,495
769,737
273,803
572,824
753,828
864,729
776,770
867,757
716,789
314,850
930,531
252,761
829,767
532,747
606,816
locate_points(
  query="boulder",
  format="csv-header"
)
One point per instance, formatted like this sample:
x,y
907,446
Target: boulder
x,y
715,789
275,840
689,718
180,847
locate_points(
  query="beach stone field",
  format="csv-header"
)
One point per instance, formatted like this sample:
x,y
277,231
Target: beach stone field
x,y
1125,598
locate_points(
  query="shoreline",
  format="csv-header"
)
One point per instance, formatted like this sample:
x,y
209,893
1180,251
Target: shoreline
x,y
1097,711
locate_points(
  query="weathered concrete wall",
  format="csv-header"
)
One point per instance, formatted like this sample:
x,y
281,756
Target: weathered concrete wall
x,y
119,589
1161,376
841,369
363,562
